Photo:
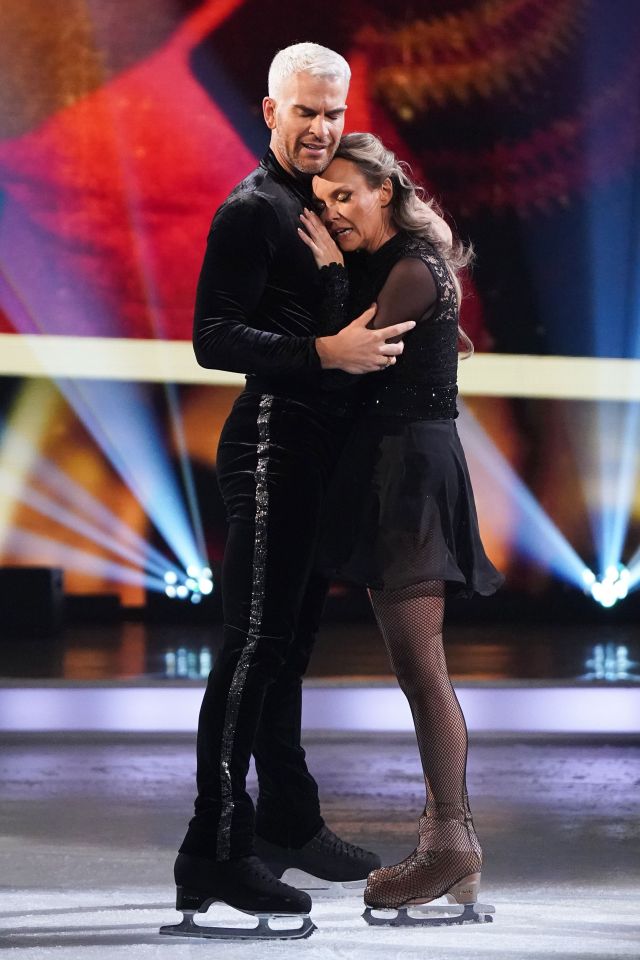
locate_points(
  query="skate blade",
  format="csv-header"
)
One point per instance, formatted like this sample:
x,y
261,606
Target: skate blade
x,y
321,889
263,931
430,915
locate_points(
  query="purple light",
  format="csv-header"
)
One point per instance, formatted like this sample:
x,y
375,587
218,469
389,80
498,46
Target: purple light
x,y
174,707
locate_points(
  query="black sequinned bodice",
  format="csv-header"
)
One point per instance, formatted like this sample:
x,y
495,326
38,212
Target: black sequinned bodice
x,y
422,384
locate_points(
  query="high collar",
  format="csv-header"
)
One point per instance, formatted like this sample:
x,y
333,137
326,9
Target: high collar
x,y
387,253
300,186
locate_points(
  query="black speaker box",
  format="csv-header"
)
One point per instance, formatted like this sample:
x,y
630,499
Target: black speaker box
x,y
31,601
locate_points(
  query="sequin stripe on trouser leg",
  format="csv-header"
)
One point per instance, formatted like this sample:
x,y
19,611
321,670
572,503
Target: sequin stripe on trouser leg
x,y
236,687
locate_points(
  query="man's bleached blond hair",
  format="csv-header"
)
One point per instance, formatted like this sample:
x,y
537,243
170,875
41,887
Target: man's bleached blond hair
x,y
306,58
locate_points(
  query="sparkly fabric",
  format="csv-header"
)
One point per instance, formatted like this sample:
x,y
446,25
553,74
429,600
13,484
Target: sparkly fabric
x,y
411,620
260,296
422,384
236,688
335,294
259,287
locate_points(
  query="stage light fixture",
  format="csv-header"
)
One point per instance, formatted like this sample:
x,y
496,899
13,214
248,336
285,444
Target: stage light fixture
x,y
194,584
611,587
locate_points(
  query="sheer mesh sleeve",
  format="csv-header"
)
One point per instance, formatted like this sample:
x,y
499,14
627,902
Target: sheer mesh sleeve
x,y
409,293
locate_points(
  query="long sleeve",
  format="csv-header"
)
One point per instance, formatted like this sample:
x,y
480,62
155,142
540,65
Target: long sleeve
x,y
241,248
333,305
409,293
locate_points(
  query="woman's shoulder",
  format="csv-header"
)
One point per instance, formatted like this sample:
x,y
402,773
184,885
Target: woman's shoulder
x,y
413,250
413,245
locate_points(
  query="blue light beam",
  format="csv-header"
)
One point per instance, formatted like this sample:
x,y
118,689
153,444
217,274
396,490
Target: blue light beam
x,y
537,536
36,548
47,507
55,481
119,416
614,246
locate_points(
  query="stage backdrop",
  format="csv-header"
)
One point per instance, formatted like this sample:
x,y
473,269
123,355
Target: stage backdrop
x,y
122,128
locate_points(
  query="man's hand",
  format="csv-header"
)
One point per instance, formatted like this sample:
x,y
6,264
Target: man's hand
x,y
357,349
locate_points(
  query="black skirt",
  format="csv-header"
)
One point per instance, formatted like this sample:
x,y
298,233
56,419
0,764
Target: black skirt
x,y
400,510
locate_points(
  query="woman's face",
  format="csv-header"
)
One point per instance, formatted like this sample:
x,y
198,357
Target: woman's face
x,y
356,215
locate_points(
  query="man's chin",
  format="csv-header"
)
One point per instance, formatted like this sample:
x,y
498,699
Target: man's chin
x,y
311,165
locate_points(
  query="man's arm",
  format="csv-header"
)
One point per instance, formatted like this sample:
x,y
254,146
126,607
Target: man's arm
x,y
239,254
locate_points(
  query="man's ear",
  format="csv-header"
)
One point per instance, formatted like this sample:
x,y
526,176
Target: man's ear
x,y
386,192
269,112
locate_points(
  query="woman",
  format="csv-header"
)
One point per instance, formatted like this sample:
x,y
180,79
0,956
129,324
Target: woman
x,y
402,512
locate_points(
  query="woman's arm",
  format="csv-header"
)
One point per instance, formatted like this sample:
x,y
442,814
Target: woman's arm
x,y
409,293
331,314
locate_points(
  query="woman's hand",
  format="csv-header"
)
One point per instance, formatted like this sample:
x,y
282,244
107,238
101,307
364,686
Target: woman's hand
x,y
318,239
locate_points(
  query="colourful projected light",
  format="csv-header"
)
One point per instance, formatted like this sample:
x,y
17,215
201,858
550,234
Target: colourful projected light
x,y
173,404
67,518
119,417
614,242
634,571
35,548
60,484
537,536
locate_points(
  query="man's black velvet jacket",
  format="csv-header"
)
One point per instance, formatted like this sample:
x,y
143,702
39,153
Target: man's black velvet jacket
x,y
259,293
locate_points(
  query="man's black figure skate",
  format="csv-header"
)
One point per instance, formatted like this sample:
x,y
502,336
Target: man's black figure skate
x,y
245,884
334,866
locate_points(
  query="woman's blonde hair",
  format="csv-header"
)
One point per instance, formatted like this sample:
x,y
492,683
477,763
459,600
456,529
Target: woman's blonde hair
x,y
410,210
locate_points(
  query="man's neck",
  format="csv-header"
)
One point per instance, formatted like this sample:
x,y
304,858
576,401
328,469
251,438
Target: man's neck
x,y
286,166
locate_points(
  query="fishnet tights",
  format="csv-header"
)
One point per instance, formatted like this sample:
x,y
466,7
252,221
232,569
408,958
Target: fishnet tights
x,y
410,620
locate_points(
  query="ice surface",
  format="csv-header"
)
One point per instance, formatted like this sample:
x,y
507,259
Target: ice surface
x,y
123,923
89,829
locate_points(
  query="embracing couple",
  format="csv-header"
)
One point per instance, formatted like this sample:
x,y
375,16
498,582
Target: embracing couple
x,y
332,284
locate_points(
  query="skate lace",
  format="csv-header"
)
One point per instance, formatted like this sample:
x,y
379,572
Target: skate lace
x,y
261,871
328,839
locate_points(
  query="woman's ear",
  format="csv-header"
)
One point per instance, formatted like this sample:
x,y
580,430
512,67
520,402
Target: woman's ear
x,y
386,192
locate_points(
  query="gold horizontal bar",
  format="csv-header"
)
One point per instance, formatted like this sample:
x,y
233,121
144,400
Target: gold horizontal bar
x,y
161,361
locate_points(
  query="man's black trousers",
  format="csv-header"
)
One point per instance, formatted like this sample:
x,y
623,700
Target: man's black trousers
x,y
274,461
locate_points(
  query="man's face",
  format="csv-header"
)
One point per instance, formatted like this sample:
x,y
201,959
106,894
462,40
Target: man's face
x,y
306,121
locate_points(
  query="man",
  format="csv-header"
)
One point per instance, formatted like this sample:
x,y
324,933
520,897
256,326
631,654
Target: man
x,y
256,308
